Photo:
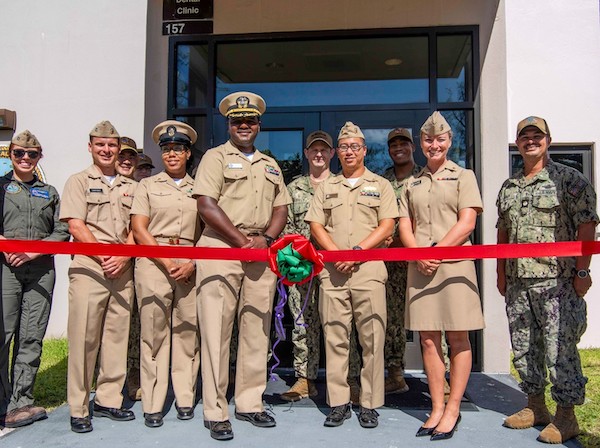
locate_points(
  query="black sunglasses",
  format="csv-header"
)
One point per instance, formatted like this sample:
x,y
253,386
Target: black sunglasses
x,y
20,153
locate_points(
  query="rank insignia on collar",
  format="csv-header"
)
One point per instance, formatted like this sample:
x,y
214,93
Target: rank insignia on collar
x,y
272,170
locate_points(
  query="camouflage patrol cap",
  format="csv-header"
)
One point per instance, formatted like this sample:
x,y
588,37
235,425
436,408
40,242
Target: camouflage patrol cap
x,y
104,129
242,104
319,136
436,124
128,144
26,140
350,130
536,122
173,131
401,133
145,160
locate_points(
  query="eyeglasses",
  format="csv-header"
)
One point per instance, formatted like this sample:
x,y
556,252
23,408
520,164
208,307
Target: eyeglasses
x,y
177,149
354,147
20,153
535,138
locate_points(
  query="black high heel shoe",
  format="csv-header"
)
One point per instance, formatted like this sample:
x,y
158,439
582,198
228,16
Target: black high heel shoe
x,y
436,435
424,432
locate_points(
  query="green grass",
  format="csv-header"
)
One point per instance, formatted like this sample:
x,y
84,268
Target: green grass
x,y
51,384
588,415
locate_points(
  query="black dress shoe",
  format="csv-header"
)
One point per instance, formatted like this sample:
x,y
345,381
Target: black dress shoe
x,y
184,413
424,432
81,424
368,418
338,414
153,420
219,430
260,419
436,435
121,415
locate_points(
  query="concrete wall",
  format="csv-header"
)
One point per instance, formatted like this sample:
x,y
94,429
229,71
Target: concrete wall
x,y
66,65
553,64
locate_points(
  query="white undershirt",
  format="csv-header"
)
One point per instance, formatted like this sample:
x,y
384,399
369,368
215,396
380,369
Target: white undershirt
x,y
110,179
352,180
177,181
249,155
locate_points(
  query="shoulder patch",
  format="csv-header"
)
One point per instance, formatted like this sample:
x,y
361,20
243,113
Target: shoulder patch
x,y
12,188
576,188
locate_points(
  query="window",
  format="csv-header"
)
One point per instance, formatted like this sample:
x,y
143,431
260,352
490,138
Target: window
x,y
578,156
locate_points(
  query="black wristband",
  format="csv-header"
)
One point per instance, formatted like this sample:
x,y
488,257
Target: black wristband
x,y
269,239
357,248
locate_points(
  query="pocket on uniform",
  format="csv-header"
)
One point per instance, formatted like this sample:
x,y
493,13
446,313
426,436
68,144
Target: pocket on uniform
x,y
332,210
368,207
234,184
159,199
545,209
98,207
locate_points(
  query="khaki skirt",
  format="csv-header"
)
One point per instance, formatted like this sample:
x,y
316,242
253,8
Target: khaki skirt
x,y
448,300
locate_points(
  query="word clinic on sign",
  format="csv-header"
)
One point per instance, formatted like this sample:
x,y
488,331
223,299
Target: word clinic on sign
x,y
187,17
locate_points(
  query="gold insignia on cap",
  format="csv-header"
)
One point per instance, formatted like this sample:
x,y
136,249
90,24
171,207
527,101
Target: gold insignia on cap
x,y
319,136
536,122
179,131
26,139
436,124
400,132
242,104
350,130
104,129
242,101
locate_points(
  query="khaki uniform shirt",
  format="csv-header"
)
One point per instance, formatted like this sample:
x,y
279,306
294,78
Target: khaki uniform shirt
x,y
545,209
350,214
245,190
172,210
302,192
432,201
104,208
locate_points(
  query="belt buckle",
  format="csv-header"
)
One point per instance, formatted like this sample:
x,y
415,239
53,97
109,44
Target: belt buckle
x,y
174,241
254,234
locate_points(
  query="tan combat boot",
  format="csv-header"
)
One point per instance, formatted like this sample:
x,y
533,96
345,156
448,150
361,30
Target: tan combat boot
x,y
395,382
563,428
302,388
535,414
354,390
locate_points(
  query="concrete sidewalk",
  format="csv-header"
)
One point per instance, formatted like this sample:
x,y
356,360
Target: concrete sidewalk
x,y
490,399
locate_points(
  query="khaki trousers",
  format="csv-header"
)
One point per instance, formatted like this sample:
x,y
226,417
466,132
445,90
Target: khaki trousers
x,y
360,296
169,335
99,312
227,288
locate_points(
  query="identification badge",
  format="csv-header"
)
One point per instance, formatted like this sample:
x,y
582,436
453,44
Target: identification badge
x,y
39,193
235,166
415,183
331,195
96,190
447,178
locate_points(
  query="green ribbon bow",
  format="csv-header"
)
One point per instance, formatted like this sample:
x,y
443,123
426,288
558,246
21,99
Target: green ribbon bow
x,y
292,265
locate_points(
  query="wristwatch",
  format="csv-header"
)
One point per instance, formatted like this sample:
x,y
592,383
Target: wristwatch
x,y
269,239
357,248
583,273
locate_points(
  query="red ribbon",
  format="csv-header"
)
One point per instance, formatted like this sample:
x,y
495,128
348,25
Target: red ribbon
x,y
562,249
303,247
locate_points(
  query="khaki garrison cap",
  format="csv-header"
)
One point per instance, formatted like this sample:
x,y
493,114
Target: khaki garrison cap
x,y
436,124
536,122
350,130
26,139
128,144
319,136
173,131
145,160
104,129
400,132
242,104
